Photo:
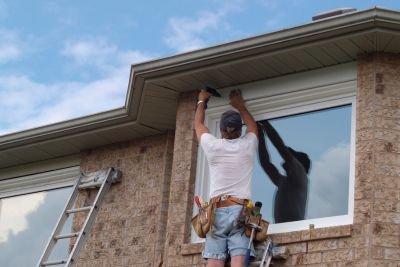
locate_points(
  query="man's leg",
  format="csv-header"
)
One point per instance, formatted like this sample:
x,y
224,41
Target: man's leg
x,y
217,263
237,261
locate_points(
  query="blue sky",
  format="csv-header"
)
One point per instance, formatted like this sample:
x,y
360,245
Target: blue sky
x,y
65,59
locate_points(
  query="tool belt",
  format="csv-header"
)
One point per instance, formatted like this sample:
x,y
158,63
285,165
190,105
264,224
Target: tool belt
x,y
203,220
226,201
251,221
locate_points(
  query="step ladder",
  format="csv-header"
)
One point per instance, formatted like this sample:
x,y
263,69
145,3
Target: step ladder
x,y
102,180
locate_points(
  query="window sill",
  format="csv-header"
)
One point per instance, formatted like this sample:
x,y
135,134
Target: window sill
x,y
312,234
286,238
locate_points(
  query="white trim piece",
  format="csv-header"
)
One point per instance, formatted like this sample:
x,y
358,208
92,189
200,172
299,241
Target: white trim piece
x,y
41,166
310,224
334,78
39,182
352,159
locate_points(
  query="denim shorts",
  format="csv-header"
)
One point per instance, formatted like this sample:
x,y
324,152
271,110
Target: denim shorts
x,y
226,238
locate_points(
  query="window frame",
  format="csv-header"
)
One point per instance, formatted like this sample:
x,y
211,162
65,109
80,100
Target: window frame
x,y
285,96
37,182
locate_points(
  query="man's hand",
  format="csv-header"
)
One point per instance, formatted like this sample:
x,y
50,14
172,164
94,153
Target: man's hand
x,y
203,95
236,99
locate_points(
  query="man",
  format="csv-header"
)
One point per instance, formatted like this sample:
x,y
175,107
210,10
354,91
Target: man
x,y
292,188
231,160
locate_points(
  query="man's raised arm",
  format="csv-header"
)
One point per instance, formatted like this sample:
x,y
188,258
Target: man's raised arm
x,y
277,141
236,100
265,159
199,117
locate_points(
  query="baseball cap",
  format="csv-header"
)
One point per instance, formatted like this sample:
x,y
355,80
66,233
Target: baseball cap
x,y
230,119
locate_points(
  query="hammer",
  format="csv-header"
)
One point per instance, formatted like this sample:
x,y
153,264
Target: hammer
x,y
213,92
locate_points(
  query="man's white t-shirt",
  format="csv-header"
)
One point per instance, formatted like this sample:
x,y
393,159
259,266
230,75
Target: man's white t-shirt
x,y
231,164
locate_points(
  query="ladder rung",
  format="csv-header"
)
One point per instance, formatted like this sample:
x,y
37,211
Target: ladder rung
x,y
55,262
90,185
66,236
87,208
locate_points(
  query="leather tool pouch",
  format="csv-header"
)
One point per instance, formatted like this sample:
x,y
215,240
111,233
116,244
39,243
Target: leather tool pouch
x,y
250,221
203,221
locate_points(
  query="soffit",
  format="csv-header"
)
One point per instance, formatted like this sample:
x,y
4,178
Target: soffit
x,y
316,45
154,86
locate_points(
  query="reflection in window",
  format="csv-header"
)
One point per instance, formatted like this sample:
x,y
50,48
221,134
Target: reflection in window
x,y
325,137
26,223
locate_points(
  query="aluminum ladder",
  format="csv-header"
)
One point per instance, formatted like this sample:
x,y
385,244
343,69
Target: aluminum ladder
x,y
102,180
269,252
266,257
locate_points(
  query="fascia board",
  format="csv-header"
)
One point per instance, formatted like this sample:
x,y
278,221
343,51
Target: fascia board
x,y
134,95
327,28
65,128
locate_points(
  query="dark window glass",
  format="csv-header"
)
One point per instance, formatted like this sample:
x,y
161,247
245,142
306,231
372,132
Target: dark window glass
x,y
324,136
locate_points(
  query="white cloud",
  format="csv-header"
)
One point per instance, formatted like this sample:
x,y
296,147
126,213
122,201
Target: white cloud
x,y
184,31
329,183
14,211
8,52
98,53
185,34
35,104
9,46
92,51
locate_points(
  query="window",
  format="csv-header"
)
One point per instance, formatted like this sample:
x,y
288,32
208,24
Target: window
x,y
325,136
312,115
28,216
30,219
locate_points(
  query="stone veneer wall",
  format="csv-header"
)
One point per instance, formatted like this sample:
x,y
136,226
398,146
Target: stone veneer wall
x,y
182,186
378,158
127,230
148,215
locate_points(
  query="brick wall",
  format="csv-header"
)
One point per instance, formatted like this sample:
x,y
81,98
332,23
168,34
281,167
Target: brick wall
x,y
128,230
378,157
182,186
146,219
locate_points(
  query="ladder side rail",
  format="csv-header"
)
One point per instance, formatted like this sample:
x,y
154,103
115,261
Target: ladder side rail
x,y
266,254
89,219
60,223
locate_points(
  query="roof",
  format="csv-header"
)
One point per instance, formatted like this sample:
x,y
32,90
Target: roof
x,y
154,86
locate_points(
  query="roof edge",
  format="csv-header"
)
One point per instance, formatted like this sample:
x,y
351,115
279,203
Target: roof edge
x,y
64,128
341,22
